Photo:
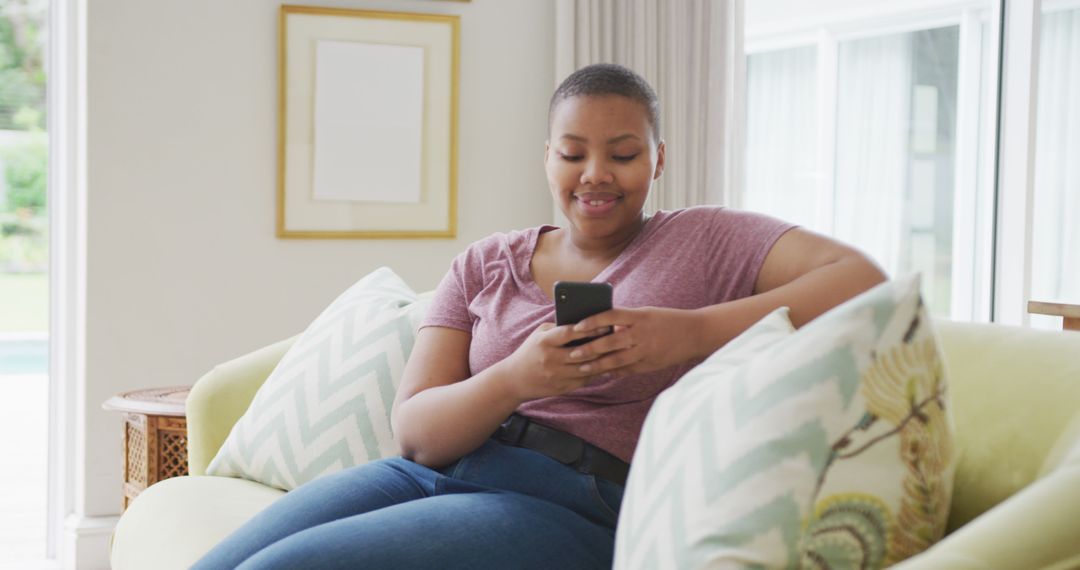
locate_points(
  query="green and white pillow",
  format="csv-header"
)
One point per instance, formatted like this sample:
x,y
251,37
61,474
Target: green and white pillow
x,y
326,406
829,447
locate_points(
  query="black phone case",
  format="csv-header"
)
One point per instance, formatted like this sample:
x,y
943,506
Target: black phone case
x,y
574,301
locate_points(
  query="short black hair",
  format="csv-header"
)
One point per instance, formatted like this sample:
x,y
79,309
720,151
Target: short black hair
x,y
600,79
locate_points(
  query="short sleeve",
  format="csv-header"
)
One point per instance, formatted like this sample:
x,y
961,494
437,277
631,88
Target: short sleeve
x,y
450,306
743,240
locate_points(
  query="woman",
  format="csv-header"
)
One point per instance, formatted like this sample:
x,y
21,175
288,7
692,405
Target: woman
x,y
515,447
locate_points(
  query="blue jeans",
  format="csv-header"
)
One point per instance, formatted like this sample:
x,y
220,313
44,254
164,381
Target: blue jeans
x,y
497,507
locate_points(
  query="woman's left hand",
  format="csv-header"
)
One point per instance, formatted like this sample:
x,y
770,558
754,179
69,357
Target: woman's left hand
x,y
644,339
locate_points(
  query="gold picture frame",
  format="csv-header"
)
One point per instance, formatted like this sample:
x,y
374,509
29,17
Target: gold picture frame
x,y
328,145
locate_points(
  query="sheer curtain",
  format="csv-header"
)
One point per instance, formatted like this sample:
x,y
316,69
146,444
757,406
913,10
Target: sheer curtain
x,y
1056,232
781,135
872,134
691,52
873,124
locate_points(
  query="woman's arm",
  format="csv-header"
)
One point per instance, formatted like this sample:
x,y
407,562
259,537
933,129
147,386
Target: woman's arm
x,y
440,413
807,272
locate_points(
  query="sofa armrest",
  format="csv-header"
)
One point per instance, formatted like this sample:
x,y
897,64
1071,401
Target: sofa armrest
x,y
219,398
1035,528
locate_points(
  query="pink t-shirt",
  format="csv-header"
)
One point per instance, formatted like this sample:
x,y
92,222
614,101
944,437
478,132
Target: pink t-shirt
x,y
683,259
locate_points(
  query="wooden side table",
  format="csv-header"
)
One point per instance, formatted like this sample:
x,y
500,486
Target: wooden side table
x,y
1070,314
155,436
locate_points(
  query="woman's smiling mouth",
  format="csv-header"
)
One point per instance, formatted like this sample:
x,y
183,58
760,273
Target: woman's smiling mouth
x,y
596,203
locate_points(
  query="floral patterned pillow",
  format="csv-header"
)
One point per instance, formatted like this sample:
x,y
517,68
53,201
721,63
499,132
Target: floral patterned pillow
x,y
831,447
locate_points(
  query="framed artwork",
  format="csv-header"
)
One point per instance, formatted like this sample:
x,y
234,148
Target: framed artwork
x,y
367,131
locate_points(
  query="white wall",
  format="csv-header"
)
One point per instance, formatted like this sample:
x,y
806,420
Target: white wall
x,y
184,270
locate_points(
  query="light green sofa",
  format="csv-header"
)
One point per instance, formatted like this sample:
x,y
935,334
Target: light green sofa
x,y
1016,504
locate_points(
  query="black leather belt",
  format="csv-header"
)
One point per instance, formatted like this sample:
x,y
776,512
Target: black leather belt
x,y
562,447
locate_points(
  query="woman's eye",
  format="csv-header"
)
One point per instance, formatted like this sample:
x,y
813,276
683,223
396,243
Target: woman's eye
x,y
625,158
570,157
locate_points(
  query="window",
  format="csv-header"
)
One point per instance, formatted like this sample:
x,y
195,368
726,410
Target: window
x,y
1055,248
24,282
873,122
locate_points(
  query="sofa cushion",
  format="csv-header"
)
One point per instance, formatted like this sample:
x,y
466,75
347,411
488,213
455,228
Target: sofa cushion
x,y
173,523
1015,391
828,447
326,406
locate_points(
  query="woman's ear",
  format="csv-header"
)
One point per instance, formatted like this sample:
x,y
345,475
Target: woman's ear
x,y
660,151
547,148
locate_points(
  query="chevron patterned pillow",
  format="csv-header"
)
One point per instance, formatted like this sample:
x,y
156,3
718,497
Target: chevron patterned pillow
x,y
326,406
830,447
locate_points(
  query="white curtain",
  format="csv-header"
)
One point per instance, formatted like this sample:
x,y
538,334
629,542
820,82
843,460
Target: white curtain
x,y
781,135
872,134
691,53
1056,231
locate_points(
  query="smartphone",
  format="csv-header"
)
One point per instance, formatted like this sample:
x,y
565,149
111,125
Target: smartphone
x,y
575,300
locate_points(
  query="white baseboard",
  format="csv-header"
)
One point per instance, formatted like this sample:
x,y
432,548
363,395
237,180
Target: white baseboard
x,y
85,542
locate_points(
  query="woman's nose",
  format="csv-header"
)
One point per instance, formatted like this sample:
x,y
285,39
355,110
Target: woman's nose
x,y
596,172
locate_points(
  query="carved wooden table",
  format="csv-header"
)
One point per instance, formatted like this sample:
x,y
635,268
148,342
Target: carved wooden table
x,y
155,436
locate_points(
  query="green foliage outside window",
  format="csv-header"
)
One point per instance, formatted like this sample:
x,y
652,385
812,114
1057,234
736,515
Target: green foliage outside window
x,y
24,159
22,70
23,219
25,175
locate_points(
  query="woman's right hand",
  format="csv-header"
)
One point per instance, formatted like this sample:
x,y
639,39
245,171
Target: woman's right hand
x,y
542,367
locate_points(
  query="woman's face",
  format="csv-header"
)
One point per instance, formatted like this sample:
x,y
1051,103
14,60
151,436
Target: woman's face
x,y
601,161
